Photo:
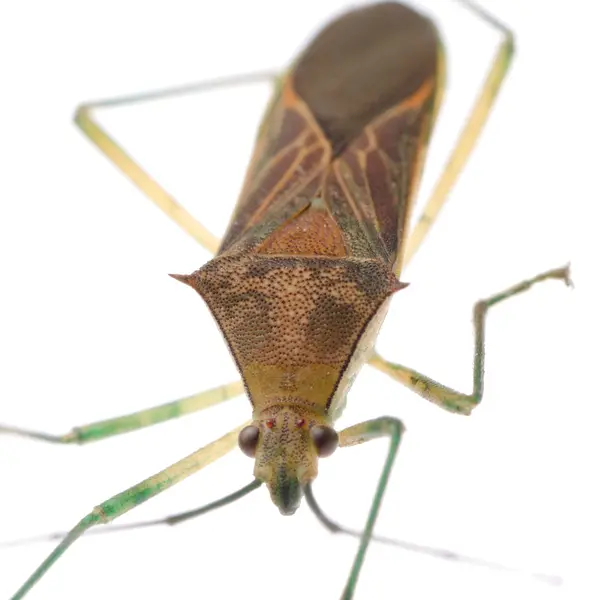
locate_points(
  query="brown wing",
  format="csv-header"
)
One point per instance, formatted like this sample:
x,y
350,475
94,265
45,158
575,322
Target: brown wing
x,y
290,155
340,150
371,185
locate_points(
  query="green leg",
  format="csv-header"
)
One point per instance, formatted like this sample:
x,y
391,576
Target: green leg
x,y
169,520
446,397
357,434
121,503
138,420
440,553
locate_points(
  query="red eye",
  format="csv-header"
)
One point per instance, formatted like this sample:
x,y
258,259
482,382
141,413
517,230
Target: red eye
x,y
270,423
300,422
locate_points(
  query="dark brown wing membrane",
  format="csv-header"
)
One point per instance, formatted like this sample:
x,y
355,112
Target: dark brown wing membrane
x,y
363,64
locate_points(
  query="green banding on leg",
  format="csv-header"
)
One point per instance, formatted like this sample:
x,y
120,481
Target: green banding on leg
x,y
110,427
101,430
158,414
140,493
445,396
135,495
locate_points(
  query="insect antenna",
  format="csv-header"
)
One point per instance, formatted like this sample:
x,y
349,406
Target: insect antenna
x,y
440,553
327,522
170,520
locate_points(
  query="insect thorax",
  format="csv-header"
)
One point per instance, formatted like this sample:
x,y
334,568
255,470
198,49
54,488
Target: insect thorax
x,y
293,324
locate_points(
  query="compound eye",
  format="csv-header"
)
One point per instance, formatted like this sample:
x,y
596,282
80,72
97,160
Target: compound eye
x,y
248,440
325,439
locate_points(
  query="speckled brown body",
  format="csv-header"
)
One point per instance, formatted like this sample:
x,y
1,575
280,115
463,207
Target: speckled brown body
x,y
292,323
300,284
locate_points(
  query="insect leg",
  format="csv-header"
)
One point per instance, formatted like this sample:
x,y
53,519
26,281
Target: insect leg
x,y
134,496
115,153
144,418
433,552
169,520
357,434
330,525
469,135
446,397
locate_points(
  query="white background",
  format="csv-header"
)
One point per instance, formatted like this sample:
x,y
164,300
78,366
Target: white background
x,y
91,326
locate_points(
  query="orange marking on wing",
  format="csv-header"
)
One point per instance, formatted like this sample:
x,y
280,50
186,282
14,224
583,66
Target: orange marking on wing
x,y
291,172
312,232
289,97
372,142
419,97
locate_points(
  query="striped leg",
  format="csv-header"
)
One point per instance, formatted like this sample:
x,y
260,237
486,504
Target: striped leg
x,y
134,496
104,429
